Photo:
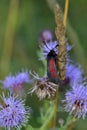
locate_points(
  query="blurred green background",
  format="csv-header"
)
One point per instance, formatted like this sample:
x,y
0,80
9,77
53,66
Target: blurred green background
x,y
21,21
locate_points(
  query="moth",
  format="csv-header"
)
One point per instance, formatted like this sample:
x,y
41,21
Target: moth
x,y
52,64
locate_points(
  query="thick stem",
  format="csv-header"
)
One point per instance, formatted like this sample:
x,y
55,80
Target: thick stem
x,y
60,34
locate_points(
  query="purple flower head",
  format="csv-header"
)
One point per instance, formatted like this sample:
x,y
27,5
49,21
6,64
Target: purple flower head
x,y
74,73
76,101
15,83
22,77
47,47
13,113
45,36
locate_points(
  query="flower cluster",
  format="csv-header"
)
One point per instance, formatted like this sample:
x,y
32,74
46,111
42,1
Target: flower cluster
x,y
45,87
13,112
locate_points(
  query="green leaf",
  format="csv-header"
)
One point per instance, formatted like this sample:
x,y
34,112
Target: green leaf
x,y
48,117
30,128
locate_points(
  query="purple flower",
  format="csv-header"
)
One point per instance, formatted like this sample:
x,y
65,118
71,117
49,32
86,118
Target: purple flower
x,y
74,73
15,83
13,113
47,47
76,101
22,77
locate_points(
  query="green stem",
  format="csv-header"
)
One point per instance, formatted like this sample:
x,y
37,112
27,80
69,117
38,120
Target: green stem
x,y
68,122
49,116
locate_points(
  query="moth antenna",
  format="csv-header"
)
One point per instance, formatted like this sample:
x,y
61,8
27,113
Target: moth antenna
x,y
46,45
56,46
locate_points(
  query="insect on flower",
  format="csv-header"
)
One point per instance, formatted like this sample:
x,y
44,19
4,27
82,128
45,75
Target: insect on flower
x,y
52,67
50,52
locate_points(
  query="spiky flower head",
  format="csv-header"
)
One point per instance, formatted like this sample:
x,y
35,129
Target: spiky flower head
x,y
47,47
15,83
44,88
74,73
76,101
13,112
